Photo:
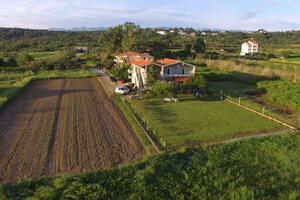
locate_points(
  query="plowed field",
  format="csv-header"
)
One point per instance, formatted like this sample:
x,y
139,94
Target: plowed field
x,y
63,127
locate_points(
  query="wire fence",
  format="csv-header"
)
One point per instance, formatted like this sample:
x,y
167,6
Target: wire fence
x,y
263,110
151,133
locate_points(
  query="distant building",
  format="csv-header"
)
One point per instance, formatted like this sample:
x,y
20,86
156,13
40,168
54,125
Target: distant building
x,y
261,31
161,32
79,49
167,69
249,47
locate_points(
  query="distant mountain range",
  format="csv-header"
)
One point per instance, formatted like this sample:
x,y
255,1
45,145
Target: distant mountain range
x,y
79,29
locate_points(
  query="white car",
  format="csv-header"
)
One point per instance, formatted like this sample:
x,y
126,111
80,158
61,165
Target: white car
x,y
122,90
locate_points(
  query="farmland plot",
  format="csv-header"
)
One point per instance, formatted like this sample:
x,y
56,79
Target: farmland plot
x,y
63,127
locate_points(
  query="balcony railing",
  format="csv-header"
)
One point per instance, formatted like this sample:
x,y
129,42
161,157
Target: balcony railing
x,y
175,75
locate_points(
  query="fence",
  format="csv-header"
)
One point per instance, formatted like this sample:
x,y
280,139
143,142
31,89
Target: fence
x,y
158,144
260,110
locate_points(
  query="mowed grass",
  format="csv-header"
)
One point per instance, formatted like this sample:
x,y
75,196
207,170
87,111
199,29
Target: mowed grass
x,y
192,122
47,55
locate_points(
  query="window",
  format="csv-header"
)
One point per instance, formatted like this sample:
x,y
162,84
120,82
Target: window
x,y
183,71
168,71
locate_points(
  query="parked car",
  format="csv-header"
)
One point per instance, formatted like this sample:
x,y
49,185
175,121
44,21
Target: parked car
x,y
122,90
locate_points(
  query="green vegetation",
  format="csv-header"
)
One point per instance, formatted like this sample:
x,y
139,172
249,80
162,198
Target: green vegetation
x,y
195,82
282,92
265,168
247,73
192,122
138,129
120,73
279,97
163,89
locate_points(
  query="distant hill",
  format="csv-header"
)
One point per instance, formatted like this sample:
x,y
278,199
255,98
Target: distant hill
x,y
79,29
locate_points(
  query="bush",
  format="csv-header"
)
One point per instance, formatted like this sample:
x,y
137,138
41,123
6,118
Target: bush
x,y
265,168
24,60
163,89
195,82
282,92
1,62
120,73
11,61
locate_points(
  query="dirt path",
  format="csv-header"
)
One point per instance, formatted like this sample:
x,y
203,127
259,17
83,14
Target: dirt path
x,y
63,127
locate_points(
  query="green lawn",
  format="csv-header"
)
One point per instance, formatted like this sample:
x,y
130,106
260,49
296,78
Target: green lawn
x,y
285,98
191,122
47,55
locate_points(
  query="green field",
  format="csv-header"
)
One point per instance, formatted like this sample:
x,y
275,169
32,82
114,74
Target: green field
x,y
265,168
288,64
191,122
46,55
280,98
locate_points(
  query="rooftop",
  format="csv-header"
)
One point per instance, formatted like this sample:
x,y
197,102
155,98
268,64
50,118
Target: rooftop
x,y
141,63
166,61
252,42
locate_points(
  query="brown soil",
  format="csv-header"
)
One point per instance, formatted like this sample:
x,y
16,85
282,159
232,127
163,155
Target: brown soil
x,y
63,127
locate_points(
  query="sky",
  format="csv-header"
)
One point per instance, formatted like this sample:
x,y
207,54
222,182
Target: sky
x,y
272,15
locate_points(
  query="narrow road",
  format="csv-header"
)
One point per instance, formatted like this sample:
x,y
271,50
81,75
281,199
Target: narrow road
x,y
108,84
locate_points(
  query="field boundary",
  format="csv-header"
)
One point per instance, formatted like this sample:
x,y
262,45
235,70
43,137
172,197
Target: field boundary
x,y
156,146
263,115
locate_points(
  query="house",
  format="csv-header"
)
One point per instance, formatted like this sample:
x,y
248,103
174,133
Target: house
x,y
249,47
161,32
79,49
167,69
127,57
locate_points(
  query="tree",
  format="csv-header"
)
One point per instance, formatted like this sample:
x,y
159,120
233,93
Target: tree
x,y
195,82
120,73
163,89
11,61
24,59
152,74
33,66
129,36
1,62
199,46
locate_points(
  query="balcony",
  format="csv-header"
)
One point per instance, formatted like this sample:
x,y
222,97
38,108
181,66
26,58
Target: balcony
x,y
175,75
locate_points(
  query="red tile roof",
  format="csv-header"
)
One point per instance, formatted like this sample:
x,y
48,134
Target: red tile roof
x,y
252,42
166,61
141,63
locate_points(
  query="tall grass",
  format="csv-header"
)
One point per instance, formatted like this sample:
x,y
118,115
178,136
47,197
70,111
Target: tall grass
x,y
253,70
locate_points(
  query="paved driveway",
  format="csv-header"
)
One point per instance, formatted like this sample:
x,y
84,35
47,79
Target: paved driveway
x,y
107,83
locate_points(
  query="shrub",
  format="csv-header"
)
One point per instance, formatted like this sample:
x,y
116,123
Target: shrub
x,y
1,62
163,89
120,73
282,92
195,82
